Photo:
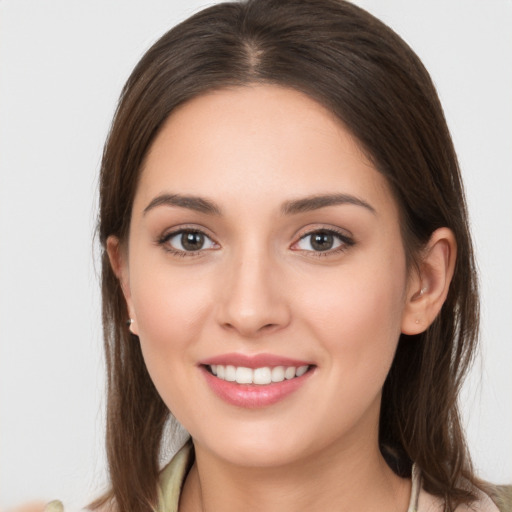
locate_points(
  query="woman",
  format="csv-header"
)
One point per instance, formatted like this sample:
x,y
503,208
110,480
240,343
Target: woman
x,y
287,269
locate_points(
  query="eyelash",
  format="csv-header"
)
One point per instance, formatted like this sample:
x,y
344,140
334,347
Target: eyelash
x,y
164,242
345,242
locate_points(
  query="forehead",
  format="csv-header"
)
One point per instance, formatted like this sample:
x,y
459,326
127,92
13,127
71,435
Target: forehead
x,y
257,142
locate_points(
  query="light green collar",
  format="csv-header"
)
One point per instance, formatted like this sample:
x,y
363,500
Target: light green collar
x,y
172,478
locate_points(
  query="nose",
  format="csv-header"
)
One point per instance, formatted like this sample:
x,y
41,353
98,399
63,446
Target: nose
x,y
254,299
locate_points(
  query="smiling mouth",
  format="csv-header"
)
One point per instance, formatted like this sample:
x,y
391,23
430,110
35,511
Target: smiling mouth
x,y
259,376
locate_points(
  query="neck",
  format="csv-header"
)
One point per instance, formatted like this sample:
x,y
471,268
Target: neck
x,y
341,479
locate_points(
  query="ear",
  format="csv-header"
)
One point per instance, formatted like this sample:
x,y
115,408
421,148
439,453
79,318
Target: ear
x,y
118,256
428,287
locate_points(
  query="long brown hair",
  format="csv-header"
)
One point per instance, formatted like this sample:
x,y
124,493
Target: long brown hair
x,y
364,73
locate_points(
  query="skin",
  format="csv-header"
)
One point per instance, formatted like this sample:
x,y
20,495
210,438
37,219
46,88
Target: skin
x,y
30,507
257,286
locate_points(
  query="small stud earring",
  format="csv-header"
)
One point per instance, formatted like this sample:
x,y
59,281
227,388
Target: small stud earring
x,y
129,324
423,290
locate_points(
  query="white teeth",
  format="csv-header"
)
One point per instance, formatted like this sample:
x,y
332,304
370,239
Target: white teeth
x,y
230,374
244,375
278,374
260,376
289,373
301,370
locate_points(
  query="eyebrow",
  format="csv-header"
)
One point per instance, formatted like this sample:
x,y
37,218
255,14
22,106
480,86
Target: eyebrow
x,y
316,202
198,204
292,207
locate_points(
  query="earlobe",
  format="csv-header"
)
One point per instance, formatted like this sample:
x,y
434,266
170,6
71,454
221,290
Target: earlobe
x,y
119,263
429,286
131,326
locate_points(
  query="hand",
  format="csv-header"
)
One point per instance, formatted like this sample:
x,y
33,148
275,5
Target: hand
x,y
53,506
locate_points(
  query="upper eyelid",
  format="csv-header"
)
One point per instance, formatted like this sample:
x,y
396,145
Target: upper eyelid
x,y
169,232
309,230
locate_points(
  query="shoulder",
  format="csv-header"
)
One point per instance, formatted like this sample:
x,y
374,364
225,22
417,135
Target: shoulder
x,y
491,498
171,480
484,503
501,495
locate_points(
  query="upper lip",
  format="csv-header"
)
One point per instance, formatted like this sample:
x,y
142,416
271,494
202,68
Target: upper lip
x,y
253,361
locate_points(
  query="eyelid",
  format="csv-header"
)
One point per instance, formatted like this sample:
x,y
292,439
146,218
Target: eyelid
x,y
170,233
345,237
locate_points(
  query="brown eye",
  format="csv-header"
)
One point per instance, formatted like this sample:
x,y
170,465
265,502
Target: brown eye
x,y
192,241
184,241
323,241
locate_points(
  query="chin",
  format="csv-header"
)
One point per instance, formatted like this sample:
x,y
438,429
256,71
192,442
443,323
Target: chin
x,y
261,446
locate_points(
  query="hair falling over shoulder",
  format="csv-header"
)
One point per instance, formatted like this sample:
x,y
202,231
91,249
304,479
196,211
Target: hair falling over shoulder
x,y
357,67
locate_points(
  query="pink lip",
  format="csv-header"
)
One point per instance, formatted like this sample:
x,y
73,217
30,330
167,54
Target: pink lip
x,y
252,396
254,361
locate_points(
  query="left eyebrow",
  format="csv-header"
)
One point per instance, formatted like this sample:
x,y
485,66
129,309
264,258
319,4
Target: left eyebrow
x,y
316,202
196,203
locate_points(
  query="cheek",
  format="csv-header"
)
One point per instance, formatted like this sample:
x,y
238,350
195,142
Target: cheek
x,y
164,314
171,310
167,299
357,315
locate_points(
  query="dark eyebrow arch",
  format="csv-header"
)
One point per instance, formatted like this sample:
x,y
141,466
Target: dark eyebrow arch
x,y
316,202
199,204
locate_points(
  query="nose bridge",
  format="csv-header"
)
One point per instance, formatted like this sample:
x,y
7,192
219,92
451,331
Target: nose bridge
x,y
254,300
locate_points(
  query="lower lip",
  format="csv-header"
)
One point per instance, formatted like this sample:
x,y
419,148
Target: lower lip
x,y
253,396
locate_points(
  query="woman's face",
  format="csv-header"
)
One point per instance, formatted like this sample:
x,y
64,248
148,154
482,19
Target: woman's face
x,y
263,244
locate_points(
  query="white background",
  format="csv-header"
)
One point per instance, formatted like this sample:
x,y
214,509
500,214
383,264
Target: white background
x,y
62,66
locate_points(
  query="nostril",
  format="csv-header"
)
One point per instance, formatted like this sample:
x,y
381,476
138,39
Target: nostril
x,y
249,329
252,314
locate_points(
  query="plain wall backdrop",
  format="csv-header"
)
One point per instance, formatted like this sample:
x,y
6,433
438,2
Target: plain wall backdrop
x,y
62,66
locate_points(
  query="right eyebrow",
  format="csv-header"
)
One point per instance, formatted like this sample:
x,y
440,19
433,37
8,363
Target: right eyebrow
x,y
316,202
199,204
